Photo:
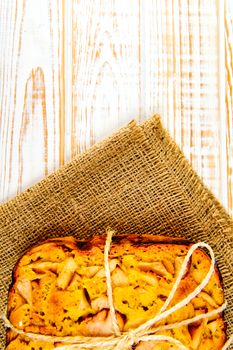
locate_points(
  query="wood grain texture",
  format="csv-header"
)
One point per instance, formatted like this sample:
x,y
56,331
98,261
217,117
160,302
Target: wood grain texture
x,y
30,84
229,99
106,69
72,72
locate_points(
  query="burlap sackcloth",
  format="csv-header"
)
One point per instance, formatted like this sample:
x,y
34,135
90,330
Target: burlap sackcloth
x,y
135,181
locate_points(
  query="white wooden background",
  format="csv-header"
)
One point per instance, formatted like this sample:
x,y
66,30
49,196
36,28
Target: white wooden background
x,y
71,72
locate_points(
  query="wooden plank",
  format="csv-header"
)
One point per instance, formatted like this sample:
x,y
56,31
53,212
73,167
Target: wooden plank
x,y
106,69
30,78
229,99
180,74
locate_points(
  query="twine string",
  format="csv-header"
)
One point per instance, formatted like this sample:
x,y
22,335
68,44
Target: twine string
x,y
109,283
146,331
163,313
182,271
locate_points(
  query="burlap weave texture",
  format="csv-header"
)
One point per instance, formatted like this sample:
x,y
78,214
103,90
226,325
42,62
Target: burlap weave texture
x,y
137,181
